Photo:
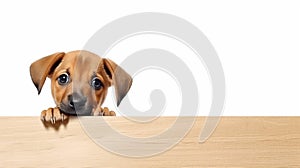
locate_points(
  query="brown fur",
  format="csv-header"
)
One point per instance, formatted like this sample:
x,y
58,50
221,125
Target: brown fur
x,y
77,96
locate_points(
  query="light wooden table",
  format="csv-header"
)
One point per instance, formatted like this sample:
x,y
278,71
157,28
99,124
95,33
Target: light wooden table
x,y
237,142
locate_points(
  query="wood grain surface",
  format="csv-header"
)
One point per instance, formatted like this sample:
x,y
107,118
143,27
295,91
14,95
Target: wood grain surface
x,y
236,142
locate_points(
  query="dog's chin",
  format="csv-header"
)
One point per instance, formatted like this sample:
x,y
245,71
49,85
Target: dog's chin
x,y
77,111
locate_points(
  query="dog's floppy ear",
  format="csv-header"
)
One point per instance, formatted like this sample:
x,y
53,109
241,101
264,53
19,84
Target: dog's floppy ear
x,y
118,77
44,67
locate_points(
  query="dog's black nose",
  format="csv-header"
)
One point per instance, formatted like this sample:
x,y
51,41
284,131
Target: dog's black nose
x,y
76,101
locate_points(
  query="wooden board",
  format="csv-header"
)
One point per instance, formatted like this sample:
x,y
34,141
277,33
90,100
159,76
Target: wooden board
x,y
237,142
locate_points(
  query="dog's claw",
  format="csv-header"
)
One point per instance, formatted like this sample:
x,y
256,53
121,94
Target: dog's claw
x,y
105,112
52,115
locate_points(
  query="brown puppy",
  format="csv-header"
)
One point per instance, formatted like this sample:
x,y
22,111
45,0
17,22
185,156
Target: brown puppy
x,y
79,83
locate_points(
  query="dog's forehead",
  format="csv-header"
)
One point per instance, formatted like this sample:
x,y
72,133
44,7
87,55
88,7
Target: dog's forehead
x,y
83,60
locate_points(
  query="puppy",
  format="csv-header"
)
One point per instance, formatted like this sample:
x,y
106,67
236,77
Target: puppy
x,y
79,83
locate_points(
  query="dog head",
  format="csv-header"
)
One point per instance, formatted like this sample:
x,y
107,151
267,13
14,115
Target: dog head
x,y
80,80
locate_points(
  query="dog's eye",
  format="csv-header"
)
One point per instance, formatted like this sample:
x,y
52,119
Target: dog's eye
x,y
63,79
96,83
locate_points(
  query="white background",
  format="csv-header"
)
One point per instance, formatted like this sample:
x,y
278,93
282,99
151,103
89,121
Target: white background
x,y
257,42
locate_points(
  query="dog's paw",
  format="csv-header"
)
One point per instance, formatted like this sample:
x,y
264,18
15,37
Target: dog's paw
x,y
52,115
107,112
103,112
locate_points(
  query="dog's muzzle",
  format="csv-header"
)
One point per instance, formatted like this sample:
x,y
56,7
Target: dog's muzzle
x,y
76,101
76,105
